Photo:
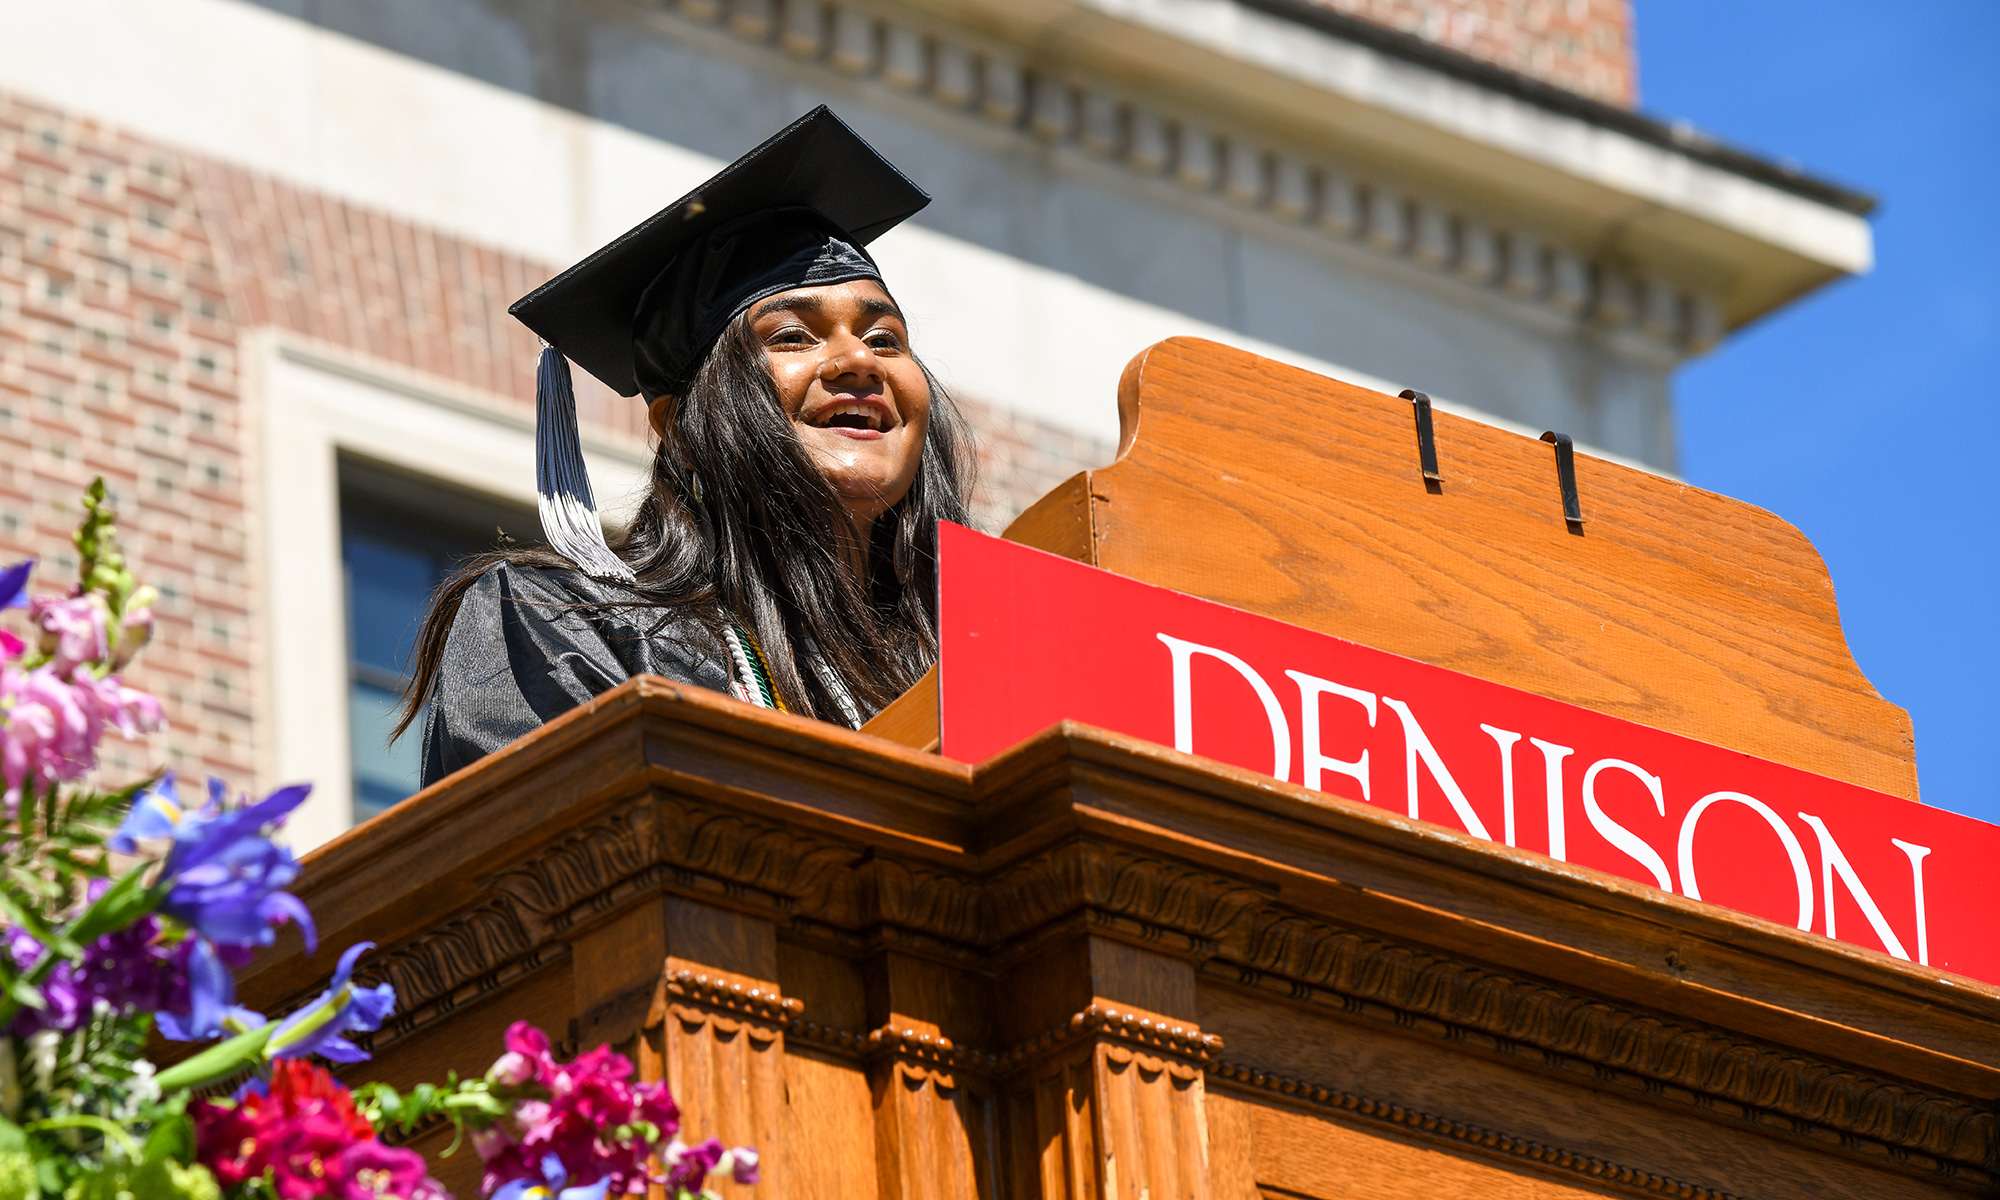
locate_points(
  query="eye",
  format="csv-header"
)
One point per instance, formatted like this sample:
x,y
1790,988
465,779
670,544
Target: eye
x,y
791,335
884,340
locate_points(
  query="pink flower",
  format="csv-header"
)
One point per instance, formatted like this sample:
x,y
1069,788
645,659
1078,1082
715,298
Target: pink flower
x,y
72,629
511,1070
49,734
11,646
131,712
50,727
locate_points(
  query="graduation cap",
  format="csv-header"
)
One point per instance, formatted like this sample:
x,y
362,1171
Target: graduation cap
x,y
641,313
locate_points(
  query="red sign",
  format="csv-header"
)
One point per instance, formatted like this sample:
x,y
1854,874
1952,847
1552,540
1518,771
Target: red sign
x,y
1029,639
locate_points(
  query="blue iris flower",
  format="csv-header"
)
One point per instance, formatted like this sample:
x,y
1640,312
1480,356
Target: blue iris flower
x,y
550,1186
225,881
225,877
14,584
343,1008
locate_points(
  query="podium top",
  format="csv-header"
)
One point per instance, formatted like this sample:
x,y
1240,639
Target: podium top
x,y
1289,494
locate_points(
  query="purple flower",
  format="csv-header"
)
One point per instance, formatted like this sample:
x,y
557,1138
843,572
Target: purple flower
x,y
321,1027
550,1185
14,584
130,970
210,1007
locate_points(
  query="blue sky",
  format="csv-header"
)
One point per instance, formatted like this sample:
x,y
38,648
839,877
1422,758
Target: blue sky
x,y
1869,414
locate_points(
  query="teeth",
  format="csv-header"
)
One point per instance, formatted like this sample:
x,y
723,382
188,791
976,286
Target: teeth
x,y
868,414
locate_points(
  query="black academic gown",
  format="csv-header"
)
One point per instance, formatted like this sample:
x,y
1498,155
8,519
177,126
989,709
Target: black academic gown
x,y
529,645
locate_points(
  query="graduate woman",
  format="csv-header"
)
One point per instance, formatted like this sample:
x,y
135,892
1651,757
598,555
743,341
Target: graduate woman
x,y
785,553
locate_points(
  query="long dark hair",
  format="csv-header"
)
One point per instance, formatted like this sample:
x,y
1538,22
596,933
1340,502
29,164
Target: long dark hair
x,y
739,524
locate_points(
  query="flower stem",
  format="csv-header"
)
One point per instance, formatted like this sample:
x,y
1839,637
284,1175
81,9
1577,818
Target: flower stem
x,y
111,1130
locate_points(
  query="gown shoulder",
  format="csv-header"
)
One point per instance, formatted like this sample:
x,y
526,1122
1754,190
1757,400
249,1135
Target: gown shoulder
x,y
530,643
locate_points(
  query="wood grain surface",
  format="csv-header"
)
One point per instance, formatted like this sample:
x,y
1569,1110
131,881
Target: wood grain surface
x,y
1290,494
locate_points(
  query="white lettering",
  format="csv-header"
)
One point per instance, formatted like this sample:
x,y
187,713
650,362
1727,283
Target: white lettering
x,y
1552,769
1631,843
1183,655
1801,870
1505,740
1311,761
1416,745
1832,859
1916,856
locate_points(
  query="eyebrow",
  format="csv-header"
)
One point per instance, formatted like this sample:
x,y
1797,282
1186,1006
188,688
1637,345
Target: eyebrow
x,y
794,302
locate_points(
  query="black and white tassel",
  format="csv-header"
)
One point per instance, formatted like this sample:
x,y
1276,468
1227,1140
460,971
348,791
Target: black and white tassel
x,y
562,486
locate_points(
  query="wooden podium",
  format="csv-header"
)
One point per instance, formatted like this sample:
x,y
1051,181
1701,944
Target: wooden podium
x,y
1091,967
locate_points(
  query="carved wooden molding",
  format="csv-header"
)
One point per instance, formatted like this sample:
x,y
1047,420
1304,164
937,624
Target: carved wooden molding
x,y
1236,933
697,1001
1461,1134
737,999
1666,1061
1183,1042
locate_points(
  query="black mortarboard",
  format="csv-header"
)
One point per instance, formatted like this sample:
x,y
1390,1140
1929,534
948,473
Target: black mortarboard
x,y
641,313
763,223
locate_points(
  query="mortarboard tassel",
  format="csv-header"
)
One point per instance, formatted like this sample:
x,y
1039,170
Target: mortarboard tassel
x,y
562,488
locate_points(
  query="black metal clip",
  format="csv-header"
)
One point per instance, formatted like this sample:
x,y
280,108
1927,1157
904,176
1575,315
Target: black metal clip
x,y
1427,448
1566,478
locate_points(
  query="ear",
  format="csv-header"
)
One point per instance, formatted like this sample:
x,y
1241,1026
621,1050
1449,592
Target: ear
x,y
660,410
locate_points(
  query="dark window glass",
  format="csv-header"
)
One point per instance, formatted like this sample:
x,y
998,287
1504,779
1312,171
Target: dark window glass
x,y
400,535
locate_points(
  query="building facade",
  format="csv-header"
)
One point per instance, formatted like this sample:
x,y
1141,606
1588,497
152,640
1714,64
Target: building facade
x,y
255,260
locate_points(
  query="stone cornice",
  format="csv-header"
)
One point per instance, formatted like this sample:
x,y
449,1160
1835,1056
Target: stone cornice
x,y
1635,255
1205,157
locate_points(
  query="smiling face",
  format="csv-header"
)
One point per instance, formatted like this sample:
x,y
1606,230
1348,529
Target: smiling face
x,y
856,397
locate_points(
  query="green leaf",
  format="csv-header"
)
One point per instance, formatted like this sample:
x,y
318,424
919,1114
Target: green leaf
x,y
171,1138
218,1061
12,1136
24,994
121,904
25,919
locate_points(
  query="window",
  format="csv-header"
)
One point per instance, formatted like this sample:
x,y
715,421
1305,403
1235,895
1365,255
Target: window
x,y
400,536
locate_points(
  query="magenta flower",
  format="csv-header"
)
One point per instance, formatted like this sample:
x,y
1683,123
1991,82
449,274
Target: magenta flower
x,y
688,1167
371,1171
568,1111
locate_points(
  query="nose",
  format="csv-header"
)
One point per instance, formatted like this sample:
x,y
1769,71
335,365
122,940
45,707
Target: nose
x,y
850,357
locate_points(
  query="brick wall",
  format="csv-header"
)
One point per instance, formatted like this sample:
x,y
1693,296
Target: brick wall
x,y
129,271
117,349
1582,45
